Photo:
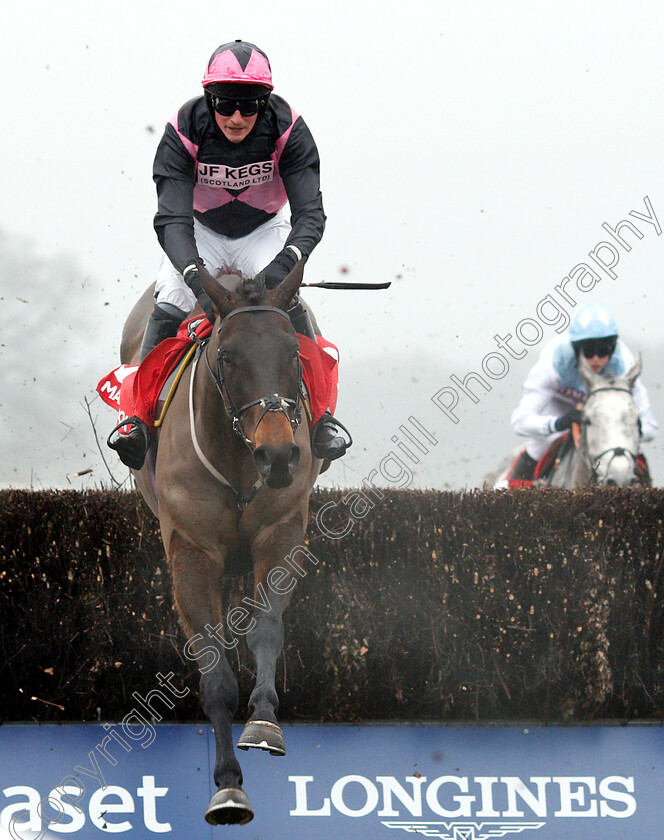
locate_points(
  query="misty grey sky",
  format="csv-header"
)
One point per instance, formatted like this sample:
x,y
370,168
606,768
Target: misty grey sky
x,y
470,153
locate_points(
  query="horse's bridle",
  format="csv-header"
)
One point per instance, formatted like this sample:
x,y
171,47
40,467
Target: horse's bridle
x,y
273,402
618,451
270,403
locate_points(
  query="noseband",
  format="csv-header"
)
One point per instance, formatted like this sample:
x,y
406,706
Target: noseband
x,y
270,403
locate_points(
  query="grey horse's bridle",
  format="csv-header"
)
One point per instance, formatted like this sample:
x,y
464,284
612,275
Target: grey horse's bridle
x,y
618,451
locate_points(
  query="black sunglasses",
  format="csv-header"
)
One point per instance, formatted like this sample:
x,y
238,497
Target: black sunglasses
x,y
602,347
227,107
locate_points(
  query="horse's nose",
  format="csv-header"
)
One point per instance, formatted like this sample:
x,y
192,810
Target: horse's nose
x,y
277,465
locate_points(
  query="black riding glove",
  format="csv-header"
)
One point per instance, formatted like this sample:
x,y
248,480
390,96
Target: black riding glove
x,y
280,266
193,280
565,422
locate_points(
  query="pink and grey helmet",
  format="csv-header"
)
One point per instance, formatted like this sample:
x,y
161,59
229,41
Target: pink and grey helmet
x,y
239,63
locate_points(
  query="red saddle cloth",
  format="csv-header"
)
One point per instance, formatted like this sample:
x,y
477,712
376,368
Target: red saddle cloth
x,y
544,467
134,391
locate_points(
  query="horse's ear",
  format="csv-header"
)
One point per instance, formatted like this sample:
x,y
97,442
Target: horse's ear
x,y
587,374
220,297
283,294
635,371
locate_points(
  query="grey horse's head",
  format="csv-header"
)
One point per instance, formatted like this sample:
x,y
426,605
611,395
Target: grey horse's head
x,y
610,428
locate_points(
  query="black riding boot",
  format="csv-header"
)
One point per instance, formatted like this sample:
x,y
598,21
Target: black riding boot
x,y
326,442
133,447
162,324
524,469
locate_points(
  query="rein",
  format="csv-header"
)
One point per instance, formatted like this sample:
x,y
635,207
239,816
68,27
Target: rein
x,y
269,403
599,390
241,501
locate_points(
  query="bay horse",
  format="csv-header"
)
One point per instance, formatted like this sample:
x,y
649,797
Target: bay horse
x,y
605,444
230,487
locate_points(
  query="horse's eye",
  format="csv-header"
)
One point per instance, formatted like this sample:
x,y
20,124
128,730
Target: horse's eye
x,y
225,357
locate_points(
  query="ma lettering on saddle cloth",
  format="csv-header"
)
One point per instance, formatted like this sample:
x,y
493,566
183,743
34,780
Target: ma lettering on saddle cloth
x,y
136,390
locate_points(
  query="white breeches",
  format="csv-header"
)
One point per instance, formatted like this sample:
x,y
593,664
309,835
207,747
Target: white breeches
x,y
245,256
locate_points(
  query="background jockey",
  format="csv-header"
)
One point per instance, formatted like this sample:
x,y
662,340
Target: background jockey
x,y
225,168
553,387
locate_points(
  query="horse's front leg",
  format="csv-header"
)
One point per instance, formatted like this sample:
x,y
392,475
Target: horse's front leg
x,y
196,586
266,636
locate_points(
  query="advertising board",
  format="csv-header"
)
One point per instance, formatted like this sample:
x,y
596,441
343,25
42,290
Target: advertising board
x,y
449,782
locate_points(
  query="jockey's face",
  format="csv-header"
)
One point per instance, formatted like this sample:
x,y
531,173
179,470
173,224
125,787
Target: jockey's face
x,y
597,363
236,127
597,351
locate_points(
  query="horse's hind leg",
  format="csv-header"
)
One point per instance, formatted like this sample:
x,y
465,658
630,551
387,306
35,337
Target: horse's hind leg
x,y
196,584
265,640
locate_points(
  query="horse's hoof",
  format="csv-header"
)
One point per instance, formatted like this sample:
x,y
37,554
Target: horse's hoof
x,y
262,735
229,806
